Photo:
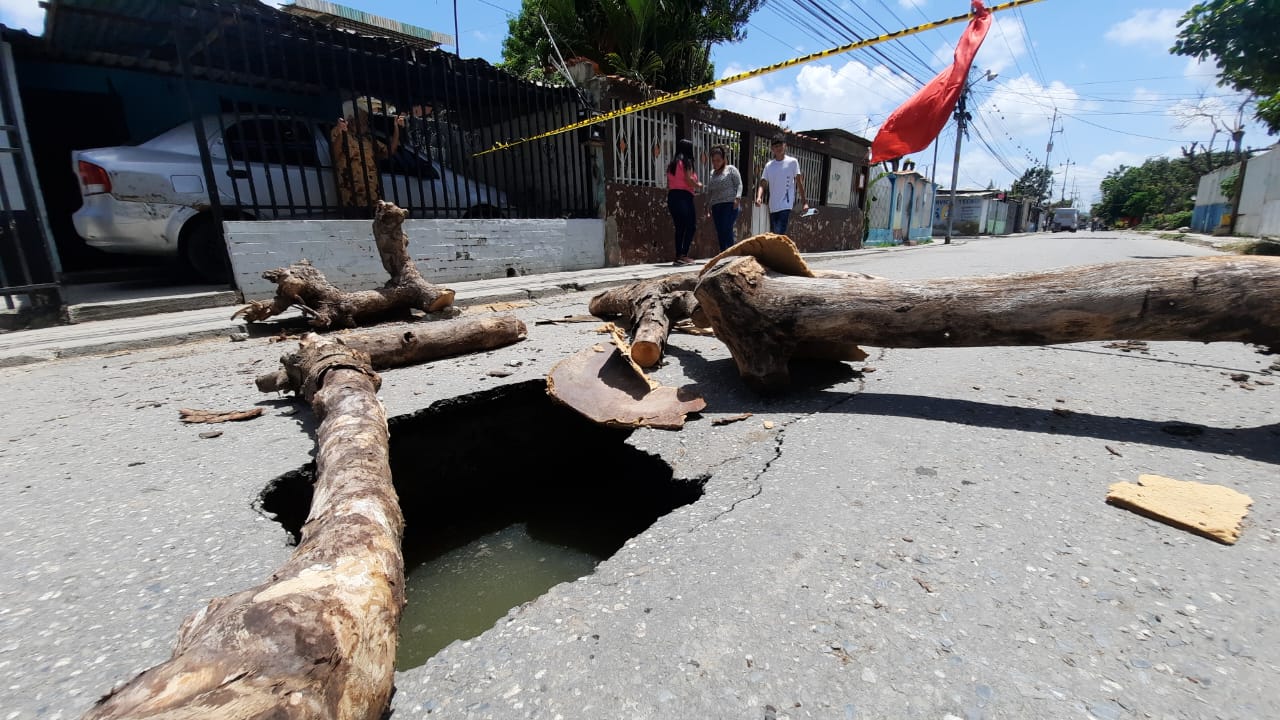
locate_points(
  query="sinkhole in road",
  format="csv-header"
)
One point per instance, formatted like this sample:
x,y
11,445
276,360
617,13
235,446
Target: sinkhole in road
x,y
505,494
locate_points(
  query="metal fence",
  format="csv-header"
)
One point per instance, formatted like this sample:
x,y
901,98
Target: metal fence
x,y
706,136
810,166
644,142
28,264
268,93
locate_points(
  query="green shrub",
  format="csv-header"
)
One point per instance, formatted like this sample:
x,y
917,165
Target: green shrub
x,y
1170,221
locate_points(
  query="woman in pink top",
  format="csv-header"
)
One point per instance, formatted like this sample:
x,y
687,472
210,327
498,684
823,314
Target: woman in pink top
x,y
682,182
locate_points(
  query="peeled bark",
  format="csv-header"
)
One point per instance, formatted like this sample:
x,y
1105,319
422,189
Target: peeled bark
x,y
648,309
766,318
317,640
390,348
301,285
607,387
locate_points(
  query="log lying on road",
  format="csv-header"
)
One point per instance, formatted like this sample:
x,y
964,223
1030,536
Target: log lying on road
x,y
317,640
766,318
648,309
397,347
301,285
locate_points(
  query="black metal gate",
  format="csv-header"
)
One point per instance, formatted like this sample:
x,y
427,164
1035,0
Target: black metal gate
x,y
28,261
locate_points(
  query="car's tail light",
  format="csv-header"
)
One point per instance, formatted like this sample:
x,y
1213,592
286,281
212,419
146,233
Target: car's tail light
x,y
93,179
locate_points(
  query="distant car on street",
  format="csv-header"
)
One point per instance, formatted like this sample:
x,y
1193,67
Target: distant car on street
x,y
151,199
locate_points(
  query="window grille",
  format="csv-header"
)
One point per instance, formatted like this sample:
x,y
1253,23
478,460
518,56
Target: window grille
x,y
643,143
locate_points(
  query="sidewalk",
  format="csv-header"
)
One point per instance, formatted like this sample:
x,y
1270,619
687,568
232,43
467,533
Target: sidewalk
x,y
23,347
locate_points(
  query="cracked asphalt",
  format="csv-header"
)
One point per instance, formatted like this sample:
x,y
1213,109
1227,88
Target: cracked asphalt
x,y
920,535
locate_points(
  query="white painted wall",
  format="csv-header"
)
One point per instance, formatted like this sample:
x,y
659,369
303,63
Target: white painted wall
x,y
1209,191
445,251
1260,197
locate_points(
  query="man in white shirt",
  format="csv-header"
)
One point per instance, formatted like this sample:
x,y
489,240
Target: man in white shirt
x,y
785,182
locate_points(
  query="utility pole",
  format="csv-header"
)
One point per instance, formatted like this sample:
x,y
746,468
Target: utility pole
x,y
962,117
1066,169
962,122
1048,149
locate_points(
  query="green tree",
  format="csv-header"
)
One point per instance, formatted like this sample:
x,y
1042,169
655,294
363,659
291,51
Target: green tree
x,y
1033,184
1243,37
663,43
1158,186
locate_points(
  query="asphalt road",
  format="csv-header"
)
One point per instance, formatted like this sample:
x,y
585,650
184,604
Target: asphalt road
x,y
923,535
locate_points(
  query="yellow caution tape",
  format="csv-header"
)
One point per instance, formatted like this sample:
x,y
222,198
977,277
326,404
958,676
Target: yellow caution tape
x,y
729,80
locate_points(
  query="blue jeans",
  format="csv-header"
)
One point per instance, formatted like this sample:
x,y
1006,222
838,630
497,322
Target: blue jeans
x,y
778,221
680,203
724,215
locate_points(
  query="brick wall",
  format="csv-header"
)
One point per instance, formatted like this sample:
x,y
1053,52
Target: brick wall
x,y
445,250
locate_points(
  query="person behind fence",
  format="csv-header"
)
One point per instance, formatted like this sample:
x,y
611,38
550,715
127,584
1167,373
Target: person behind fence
x,y
418,130
355,160
785,182
724,195
682,183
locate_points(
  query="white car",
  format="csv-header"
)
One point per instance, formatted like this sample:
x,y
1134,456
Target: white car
x,y
151,199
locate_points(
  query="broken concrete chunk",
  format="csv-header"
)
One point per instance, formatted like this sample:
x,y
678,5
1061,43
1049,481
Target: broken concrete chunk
x,y
1213,511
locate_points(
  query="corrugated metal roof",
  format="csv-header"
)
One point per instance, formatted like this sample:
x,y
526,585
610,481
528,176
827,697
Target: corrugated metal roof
x,y
360,21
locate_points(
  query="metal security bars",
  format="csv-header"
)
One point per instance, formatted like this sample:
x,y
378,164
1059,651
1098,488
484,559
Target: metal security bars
x,y
706,136
811,168
643,145
268,93
28,263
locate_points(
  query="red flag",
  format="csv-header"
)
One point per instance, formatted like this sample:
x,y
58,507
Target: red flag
x,y
919,120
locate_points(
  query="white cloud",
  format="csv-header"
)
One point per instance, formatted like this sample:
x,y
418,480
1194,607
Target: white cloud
x,y
908,4
1144,96
1107,162
1005,43
23,14
851,96
1203,74
1025,107
1153,27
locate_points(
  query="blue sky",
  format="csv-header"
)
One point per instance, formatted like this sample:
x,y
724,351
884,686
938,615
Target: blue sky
x,y
1102,65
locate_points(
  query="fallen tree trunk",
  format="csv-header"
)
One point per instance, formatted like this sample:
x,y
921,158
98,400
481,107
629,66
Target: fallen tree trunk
x,y
648,309
317,640
301,285
390,348
766,318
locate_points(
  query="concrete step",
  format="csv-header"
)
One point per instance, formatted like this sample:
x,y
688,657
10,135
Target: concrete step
x,y
112,309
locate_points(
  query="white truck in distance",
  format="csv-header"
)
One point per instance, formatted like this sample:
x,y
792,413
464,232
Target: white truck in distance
x,y
1065,219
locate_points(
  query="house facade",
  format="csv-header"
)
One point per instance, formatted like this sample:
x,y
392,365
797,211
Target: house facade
x,y
590,197
900,208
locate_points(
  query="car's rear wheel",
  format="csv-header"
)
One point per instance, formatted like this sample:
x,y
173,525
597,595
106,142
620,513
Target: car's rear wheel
x,y
203,250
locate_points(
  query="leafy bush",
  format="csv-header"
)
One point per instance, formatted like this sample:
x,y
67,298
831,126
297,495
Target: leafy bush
x,y
1228,185
1170,221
